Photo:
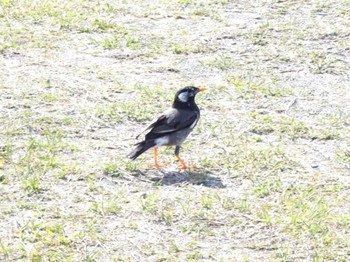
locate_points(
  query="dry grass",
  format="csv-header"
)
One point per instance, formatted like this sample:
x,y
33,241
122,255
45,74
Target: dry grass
x,y
80,78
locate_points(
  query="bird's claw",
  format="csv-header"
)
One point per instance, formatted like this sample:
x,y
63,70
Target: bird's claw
x,y
157,165
184,167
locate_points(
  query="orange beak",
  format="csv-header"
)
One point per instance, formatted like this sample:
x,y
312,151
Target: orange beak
x,y
202,88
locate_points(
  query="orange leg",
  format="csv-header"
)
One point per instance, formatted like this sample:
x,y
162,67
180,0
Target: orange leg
x,y
155,155
183,164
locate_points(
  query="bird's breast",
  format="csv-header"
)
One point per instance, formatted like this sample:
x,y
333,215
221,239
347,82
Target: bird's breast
x,y
194,122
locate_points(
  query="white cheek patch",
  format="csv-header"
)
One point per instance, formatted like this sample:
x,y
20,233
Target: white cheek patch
x,y
183,97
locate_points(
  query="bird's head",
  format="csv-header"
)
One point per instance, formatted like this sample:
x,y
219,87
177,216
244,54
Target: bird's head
x,y
187,94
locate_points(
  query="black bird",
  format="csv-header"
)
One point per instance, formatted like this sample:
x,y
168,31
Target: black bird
x,y
173,126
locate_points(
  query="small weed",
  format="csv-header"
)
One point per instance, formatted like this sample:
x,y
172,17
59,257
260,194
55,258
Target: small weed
x,y
180,49
195,255
106,205
227,203
133,43
167,215
265,215
149,202
49,97
283,126
186,49
261,34
130,166
294,128
102,25
343,158
223,62
207,201
110,111
250,161
111,42
243,205
307,211
283,254
321,62
207,13
137,109
251,88
31,183
112,170
265,188
5,250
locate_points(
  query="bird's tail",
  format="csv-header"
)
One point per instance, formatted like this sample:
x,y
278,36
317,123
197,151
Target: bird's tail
x,y
141,148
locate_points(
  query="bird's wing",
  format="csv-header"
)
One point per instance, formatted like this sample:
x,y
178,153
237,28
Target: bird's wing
x,y
171,121
153,123
156,121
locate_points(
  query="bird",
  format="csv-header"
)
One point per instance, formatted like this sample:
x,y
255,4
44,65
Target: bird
x,y
172,127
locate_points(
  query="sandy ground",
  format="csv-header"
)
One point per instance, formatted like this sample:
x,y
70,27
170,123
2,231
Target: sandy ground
x,y
80,78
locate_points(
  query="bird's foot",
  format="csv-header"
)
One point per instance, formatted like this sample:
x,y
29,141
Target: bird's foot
x,y
157,165
184,167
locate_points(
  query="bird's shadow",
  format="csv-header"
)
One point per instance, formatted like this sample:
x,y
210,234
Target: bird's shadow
x,y
194,177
